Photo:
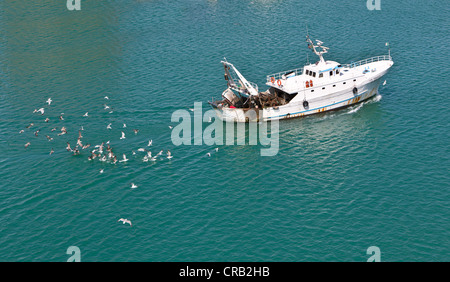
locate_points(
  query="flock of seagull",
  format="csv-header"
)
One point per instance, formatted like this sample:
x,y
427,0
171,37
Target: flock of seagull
x,y
103,152
98,151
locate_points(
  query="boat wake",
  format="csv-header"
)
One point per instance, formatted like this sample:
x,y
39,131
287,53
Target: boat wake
x,y
356,108
377,98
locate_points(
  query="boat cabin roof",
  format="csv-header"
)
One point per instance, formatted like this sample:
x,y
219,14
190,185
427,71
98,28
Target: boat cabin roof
x,y
321,67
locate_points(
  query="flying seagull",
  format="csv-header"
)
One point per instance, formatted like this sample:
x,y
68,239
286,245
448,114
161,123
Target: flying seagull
x,y
124,220
124,158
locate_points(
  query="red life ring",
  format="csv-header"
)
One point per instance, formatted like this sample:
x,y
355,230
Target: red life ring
x,y
307,84
310,83
279,82
272,79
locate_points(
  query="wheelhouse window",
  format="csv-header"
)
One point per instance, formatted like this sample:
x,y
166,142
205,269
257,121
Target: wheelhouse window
x,y
314,74
320,74
307,72
337,71
331,73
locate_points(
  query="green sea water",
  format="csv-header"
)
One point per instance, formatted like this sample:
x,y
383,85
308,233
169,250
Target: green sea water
x,y
370,175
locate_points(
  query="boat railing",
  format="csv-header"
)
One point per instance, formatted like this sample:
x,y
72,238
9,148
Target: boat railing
x,y
281,75
369,60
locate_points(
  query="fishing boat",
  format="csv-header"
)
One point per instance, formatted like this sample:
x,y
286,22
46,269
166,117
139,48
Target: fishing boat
x,y
318,87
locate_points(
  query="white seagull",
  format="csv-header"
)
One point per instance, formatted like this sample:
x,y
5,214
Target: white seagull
x,y
133,185
123,135
108,126
106,97
124,220
384,83
49,101
124,159
150,143
86,114
169,155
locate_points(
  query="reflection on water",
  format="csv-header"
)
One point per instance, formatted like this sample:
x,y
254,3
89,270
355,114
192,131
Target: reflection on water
x,y
336,128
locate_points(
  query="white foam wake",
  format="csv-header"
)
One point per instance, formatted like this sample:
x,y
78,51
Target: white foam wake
x,y
355,109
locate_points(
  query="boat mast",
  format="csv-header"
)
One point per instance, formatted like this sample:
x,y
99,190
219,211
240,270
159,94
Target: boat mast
x,y
319,45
